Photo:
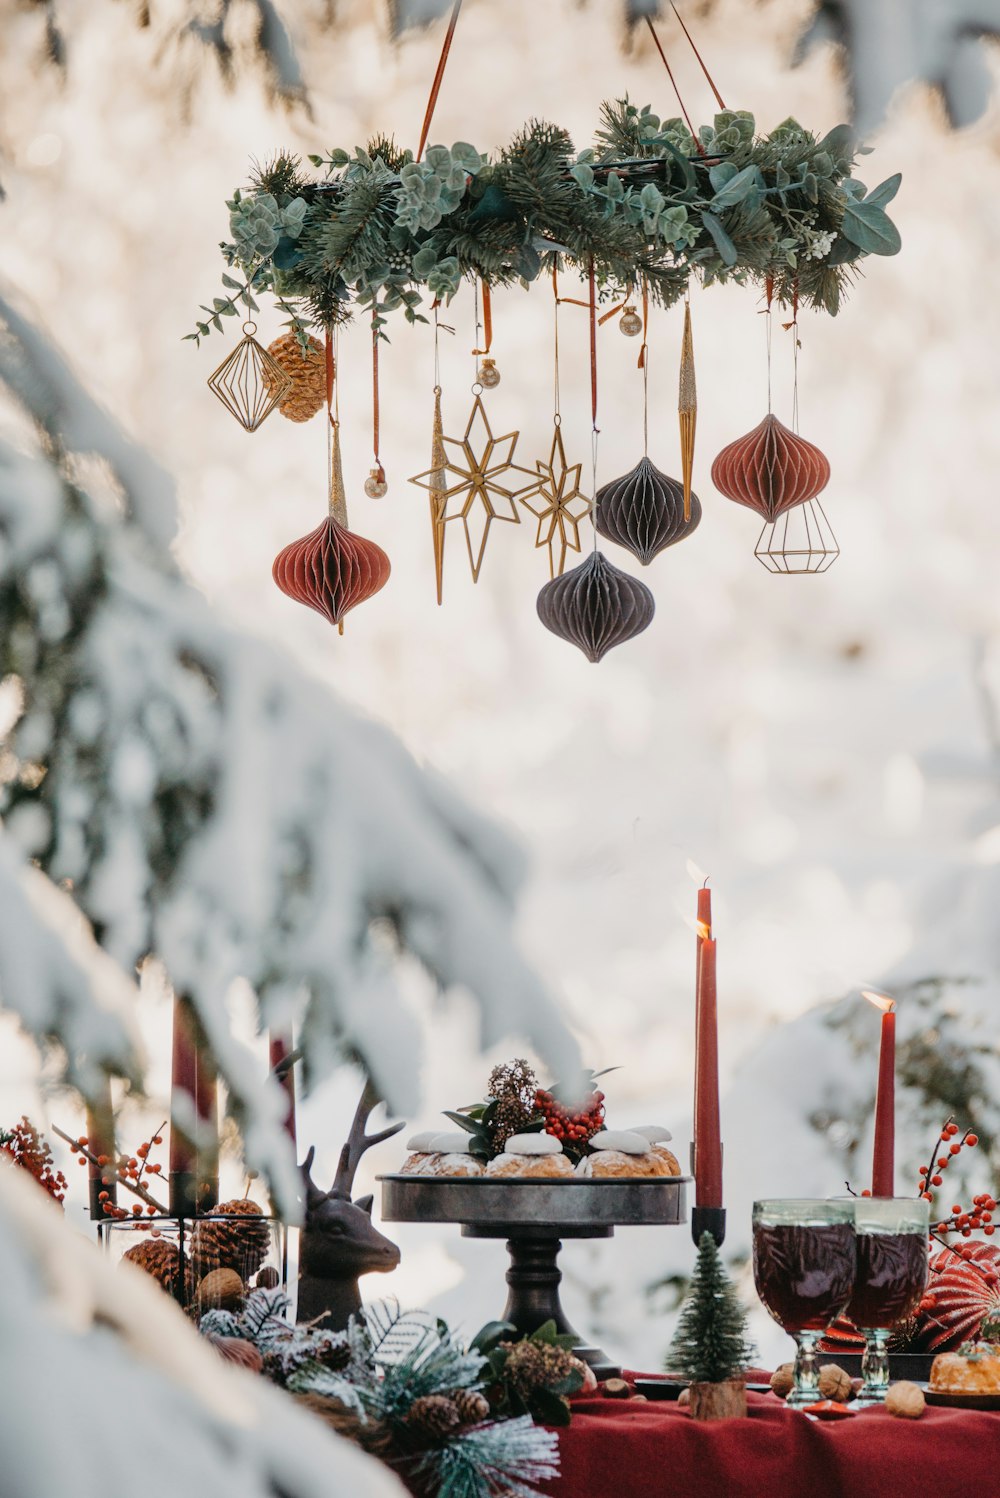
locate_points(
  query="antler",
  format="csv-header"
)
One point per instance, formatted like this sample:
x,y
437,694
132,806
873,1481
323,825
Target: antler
x,y
358,1141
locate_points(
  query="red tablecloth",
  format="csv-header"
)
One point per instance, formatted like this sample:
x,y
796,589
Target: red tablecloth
x,y
621,1449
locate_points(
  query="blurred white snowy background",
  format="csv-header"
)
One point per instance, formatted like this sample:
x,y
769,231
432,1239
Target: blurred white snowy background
x,y
827,749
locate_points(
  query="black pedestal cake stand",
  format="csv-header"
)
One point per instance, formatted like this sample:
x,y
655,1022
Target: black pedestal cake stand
x,y
535,1216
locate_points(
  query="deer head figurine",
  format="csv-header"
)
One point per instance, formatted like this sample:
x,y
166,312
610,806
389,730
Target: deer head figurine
x,y
339,1241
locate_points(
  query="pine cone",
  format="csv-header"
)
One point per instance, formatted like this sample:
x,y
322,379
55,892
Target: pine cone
x,y
434,1415
307,373
161,1259
241,1244
471,1405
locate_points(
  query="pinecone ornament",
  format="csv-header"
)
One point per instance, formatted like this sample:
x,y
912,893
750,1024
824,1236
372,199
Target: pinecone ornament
x,y
161,1259
471,1405
241,1244
307,373
435,1416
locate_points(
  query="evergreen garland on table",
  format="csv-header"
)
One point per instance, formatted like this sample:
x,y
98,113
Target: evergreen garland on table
x,y
405,1387
647,204
710,1344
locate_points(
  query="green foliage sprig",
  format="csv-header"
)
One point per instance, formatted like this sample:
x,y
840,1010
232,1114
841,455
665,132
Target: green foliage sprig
x,y
532,1375
647,203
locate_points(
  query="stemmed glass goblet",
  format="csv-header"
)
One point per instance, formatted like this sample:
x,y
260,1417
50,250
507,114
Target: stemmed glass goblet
x,y
804,1266
892,1249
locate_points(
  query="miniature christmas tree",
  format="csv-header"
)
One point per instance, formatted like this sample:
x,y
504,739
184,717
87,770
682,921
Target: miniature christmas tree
x,y
710,1345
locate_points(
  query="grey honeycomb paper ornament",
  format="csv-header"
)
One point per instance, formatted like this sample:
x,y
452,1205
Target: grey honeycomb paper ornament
x,y
644,511
596,606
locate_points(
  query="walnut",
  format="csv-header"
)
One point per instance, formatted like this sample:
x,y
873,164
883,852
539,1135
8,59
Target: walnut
x,y
684,1398
834,1383
222,1287
783,1380
905,1400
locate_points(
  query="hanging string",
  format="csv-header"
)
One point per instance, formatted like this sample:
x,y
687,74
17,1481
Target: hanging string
x,y
476,349
770,294
379,471
556,412
795,357
592,279
330,366
673,81
437,348
644,366
438,77
701,61
487,320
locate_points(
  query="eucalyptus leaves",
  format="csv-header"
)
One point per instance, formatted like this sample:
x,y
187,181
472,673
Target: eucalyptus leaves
x,y
647,203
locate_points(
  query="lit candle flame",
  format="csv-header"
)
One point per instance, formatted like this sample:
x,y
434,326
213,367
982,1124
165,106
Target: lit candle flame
x,y
700,928
880,1000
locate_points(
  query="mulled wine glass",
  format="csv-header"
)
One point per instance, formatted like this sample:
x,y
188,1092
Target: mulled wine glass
x,y
804,1264
892,1249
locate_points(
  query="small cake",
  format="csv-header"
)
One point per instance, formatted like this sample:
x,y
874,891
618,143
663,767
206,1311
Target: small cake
x,y
669,1159
614,1164
418,1164
453,1163
967,1372
550,1166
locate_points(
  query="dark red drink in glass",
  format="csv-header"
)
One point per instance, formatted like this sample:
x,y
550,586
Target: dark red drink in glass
x,y
891,1278
804,1273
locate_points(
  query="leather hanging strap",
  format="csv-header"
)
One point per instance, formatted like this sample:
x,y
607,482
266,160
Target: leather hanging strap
x,y
438,77
379,473
593,342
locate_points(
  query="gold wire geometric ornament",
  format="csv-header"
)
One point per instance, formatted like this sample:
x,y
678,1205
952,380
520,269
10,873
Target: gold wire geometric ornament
x,y
687,408
250,383
478,498
800,541
563,504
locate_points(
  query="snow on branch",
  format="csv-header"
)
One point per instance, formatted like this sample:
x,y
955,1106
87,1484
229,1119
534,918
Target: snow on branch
x,y
211,804
135,1398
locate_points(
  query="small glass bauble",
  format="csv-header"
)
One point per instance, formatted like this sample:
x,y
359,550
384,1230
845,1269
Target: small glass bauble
x,y
375,484
630,322
489,375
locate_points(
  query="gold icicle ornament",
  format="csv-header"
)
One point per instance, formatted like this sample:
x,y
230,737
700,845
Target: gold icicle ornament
x,y
687,408
436,484
338,494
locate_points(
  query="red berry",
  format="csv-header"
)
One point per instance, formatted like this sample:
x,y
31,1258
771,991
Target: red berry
x,y
866,1192
953,1128
972,1140
923,1170
989,1229
935,1180
924,1194
942,1162
955,1149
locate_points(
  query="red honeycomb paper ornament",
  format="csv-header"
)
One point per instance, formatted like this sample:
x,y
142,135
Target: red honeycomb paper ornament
x,y
331,570
771,469
596,606
963,1288
644,511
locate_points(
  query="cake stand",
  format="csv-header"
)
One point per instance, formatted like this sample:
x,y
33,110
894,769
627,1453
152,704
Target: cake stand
x,y
535,1216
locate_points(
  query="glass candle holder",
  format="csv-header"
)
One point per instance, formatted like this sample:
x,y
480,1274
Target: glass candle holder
x,y
206,1262
804,1266
892,1253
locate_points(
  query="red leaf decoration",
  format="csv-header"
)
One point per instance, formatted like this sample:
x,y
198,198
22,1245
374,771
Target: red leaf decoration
x,y
331,570
771,469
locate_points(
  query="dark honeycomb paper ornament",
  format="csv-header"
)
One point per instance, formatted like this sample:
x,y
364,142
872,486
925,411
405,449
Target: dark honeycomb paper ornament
x,y
644,510
771,469
596,606
331,570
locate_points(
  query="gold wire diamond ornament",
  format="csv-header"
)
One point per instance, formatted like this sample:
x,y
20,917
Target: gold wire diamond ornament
x,y
561,506
250,383
478,497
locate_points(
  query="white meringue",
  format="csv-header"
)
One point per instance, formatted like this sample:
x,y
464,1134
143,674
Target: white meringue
x,y
534,1144
655,1133
456,1143
627,1141
420,1144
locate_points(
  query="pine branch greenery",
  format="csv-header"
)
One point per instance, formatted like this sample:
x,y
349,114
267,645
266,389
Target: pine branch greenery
x,y
382,233
710,1344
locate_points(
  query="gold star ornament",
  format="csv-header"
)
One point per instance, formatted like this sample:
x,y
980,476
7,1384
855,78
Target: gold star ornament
x,y
561,505
474,492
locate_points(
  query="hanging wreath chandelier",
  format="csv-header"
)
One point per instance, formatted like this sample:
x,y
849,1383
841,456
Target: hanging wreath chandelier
x,y
651,207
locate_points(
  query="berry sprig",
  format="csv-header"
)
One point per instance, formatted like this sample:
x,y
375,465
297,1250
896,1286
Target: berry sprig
x,y
965,1220
127,1171
572,1124
30,1150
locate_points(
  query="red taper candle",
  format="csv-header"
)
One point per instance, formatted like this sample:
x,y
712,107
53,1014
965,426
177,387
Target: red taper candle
x,y
278,1051
707,1127
884,1153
